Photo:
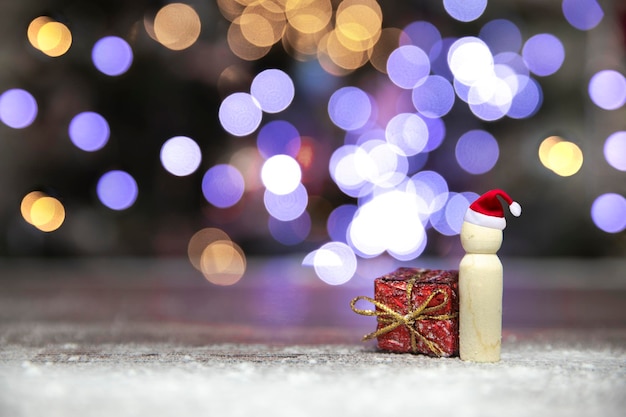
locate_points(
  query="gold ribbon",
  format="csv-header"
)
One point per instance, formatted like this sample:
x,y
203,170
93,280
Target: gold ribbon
x,y
393,319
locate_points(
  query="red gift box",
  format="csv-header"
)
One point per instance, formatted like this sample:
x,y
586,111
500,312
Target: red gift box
x,y
417,311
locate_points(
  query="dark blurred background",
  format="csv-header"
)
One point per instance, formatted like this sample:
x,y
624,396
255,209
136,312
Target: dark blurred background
x,y
167,93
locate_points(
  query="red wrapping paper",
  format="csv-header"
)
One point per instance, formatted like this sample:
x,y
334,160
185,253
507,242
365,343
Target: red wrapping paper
x,y
431,298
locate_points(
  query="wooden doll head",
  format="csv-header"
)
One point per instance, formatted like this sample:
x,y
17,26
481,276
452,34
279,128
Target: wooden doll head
x,y
480,239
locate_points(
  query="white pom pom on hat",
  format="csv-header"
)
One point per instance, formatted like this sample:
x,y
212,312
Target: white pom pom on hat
x,y
487,210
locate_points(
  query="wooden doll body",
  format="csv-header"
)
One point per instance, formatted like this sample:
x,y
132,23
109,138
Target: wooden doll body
x,y
480,294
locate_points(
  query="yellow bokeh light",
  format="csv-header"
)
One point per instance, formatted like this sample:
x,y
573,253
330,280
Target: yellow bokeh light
x,y
262,26
562,157
200,241
177,26
544,149
50,37
326,61
308,16
34,27
230,9
358,26
344,57
27,204
241,47
302,46
223,263
565,158
47,214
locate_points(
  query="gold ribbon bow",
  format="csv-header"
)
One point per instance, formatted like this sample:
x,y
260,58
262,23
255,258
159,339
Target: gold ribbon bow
x,y
393,319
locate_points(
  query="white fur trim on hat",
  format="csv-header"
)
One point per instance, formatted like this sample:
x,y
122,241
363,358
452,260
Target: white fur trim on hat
x,y
515,208
484,220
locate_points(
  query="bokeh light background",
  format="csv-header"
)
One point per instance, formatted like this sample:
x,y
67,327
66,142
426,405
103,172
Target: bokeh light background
x,y
332,130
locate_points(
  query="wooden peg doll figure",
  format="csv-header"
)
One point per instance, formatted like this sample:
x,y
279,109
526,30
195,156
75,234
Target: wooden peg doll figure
x,y
480,278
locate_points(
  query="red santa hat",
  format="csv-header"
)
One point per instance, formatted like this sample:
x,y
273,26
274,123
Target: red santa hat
x,y
487,210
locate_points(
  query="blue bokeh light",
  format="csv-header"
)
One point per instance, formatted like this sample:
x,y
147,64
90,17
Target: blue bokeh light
x,y
223,185
432,189
18,108
286,207
477,151
422,34
408,66
112,55
434,97
501,35
89,131
335,263
273,89
291,232
349,108
347,167
608,212
465,10
439,58
278,137
181,156
436,133
408,132
544,54
528,100
582,14
240,114
615,150
339,221
117,190
607,89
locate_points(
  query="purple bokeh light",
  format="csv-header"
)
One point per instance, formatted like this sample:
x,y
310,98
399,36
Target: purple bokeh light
x,y
544,54
286,207
434,97
339,221
349,108
582,14
181,156
240,114
607,89
335,263
528,100
501,35
436,133
408,132
112,55
477,151
278,137
465,10
89,131
18,108
422,34
608,212
291,232
615,150
273,89
439,58
223,185
408,66
449,220
117,190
